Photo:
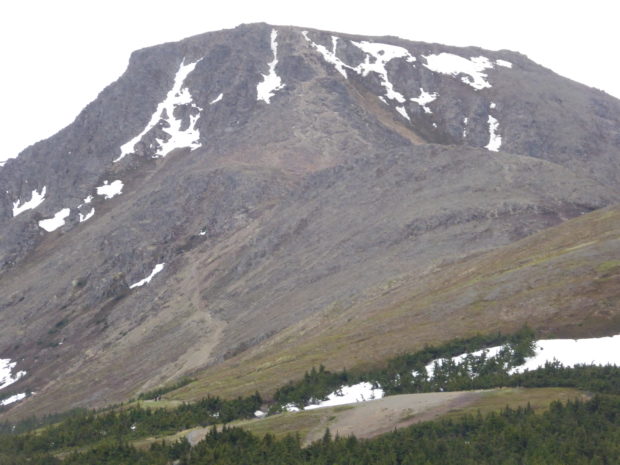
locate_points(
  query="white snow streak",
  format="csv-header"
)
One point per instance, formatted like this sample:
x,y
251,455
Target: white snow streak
x,y
216,99
382,54
465,121
36,199
403,112
504,63
88,216
491,352
291,408
52,224
495,140
378,55
448,63
271,82
157,269
110,190
12,399
424,99
178,95
569,352
7,377
361,392
329,56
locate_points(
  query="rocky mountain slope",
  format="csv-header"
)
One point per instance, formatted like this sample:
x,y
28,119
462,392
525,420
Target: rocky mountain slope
x,y
230,186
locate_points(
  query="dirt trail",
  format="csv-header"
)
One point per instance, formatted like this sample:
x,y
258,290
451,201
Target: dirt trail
x,y
376,417
369,419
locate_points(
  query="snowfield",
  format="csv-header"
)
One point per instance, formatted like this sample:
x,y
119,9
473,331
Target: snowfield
x,y
473,68
142,282
271,82
110,190
52,224
13,399
360,392
569,352
178,95
7,375
36,199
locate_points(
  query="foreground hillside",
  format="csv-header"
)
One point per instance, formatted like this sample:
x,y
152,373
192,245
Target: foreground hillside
x,y
244,204
564,281
545,421
373,418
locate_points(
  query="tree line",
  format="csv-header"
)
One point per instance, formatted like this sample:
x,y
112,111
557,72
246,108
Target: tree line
x,y
571,433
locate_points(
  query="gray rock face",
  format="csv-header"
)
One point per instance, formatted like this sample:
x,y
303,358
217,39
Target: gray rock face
x,y
270,200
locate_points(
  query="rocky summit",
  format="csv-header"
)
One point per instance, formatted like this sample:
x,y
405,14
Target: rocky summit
x,y
238,192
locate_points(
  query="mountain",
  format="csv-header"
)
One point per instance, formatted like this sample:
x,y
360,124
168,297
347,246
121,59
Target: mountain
x,y
246,187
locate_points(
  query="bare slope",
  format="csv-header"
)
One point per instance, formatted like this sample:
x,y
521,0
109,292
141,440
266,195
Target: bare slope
x,y
281,219
563,281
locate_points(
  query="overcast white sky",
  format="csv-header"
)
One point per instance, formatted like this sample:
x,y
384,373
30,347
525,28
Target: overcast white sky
x,y
58,55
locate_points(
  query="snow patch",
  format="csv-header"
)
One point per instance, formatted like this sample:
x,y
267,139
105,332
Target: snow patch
x,y
260,414
382,54
52,224
504,63
571,352
465,121
271,82
378,55
457,360
492,106
36,199
448,63
424,99
329,55
12,399
291,408
178,95
216,99
7,375
157,269
110,190
360,392
88,216
403,112
495,140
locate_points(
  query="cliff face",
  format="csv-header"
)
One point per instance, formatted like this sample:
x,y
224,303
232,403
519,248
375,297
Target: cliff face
x,y
231,184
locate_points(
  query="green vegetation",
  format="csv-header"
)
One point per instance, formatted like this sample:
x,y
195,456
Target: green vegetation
x,y
158,392
406,373
91,428
557,435
576,432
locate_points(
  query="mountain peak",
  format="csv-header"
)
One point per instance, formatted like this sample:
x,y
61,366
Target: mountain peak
x,y
239,183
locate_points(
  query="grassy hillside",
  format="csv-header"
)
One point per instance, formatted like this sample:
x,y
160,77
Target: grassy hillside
x,y
563,282
370,419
